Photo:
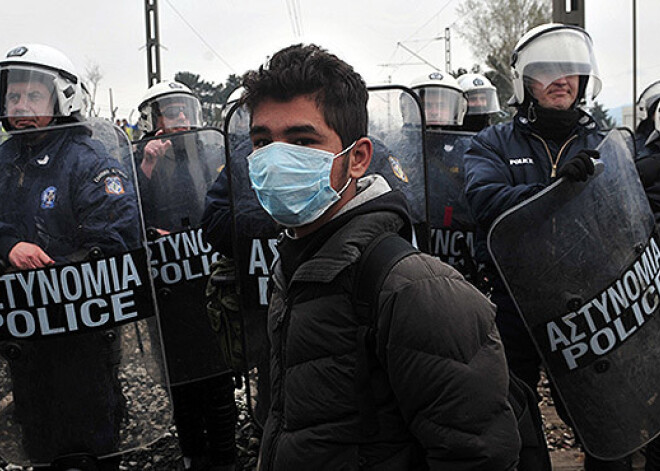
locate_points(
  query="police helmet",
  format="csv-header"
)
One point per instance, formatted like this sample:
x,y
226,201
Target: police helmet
x,y
240,120
158,101
551,51
442,98
480,93
29,63
647,100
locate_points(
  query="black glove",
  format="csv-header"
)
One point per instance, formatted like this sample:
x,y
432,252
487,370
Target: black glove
x,y
580,166
649,169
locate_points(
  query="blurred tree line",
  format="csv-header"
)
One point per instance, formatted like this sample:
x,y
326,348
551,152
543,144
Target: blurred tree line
x,y
212,97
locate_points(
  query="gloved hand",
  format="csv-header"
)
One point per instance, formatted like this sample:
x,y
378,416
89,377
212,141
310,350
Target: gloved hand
x,y
649,170
580,166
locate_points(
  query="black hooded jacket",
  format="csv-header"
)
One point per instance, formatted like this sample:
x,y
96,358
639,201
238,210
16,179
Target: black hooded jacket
x,y
440,383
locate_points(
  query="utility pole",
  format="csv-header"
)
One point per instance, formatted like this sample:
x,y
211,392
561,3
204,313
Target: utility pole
x,y
568,12
113,110
153,42
634,64
447,39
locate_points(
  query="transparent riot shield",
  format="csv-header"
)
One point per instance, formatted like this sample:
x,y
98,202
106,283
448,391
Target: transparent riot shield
x,y
254,236
174,173
582,262
396,127
452,225
81,369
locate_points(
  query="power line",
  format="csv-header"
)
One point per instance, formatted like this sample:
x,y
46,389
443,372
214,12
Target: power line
x,y
201,38
399,44
429,20
293,10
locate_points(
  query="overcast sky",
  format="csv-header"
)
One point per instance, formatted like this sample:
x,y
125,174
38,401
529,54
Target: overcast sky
x,y
215,38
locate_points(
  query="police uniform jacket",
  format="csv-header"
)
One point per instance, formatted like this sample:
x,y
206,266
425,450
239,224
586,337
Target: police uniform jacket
x,y
439,385
62,191
66,194
507,163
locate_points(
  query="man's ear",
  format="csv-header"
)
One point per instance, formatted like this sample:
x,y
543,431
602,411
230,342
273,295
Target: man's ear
x,y
360,157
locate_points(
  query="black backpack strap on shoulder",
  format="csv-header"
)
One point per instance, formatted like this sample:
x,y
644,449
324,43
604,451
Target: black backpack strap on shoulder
x,y
375,264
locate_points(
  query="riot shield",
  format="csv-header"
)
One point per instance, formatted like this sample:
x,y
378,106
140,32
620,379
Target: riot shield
x,y
452,225
254,236
80,360
396,127
174,174
582,262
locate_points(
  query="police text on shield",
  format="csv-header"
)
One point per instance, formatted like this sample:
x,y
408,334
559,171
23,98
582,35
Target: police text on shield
x,y
611,317
70,298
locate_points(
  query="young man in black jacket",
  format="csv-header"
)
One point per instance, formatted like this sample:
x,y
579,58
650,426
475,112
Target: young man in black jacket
x,y
438,376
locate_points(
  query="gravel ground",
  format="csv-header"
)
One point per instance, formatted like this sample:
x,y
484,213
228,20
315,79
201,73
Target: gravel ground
x,y
165,455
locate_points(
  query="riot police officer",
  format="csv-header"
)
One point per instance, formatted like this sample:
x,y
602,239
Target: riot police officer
x,y
646,110
177,164
482,101
442,99
554,69
648,163
452,227
64,197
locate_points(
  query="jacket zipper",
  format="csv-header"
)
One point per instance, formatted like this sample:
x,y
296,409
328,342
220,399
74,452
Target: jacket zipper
x,y
282,323
554,162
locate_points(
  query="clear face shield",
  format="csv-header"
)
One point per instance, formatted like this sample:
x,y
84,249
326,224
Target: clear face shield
x,y
29,97
559,54
176,111
482,101
443,106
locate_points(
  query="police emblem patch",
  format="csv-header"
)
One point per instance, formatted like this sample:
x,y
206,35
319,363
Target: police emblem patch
x,y
48,198
397,169
114,185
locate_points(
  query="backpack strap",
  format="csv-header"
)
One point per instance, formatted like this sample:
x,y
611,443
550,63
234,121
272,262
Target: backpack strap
x,y
375,264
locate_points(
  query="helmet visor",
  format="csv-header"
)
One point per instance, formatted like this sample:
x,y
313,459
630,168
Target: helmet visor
x,y
442,106
559,54
482,101
648,98
29,98
175,111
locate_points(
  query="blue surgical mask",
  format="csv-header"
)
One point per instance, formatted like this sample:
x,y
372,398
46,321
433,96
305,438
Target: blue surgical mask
x,y
292,182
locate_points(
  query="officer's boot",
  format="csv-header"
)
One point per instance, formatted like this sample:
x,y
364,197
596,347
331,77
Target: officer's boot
x,y
220,419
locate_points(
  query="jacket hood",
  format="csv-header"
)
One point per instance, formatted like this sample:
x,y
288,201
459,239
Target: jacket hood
x,y
375,209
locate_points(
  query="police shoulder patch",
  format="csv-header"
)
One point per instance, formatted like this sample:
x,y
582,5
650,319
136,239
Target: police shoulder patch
x,y
106,172
397,169
48,198
114,185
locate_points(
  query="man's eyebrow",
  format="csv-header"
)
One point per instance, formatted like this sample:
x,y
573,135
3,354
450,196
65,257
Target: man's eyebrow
x,y
302,129
258,130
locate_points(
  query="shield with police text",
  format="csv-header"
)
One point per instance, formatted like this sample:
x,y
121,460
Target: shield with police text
x,y
81,369
582,262
452,225
254,234
174,173
396,128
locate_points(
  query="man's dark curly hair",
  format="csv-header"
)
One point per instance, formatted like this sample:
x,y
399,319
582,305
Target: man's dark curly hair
x,y
339,91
